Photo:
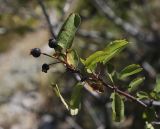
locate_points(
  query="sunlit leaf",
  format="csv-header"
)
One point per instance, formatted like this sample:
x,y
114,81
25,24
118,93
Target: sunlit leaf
x,y
104,56
154,95
57,92
117,107
134,84
68,30
76,99
157,87
82,60
111,72
142,95
72,58
114,48
130,70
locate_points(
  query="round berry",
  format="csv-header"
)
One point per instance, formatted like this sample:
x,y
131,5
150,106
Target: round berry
x,y
35,52
52,43
45,68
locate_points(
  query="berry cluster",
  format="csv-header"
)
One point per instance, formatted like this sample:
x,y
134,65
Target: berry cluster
x,y
36,52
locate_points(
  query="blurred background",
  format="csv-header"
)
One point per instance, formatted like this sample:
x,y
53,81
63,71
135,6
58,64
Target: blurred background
x,y
26,99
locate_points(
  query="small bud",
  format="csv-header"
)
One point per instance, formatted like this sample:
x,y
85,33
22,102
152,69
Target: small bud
x,y
52,43
45,68
35,52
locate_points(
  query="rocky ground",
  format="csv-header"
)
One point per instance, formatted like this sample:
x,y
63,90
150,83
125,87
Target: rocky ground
x,y
20,81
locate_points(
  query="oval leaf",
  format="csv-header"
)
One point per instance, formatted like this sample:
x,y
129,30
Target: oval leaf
x,y
117,107
157,87
142,95
104,56
76,99
130,70
72,58
68,30
134,84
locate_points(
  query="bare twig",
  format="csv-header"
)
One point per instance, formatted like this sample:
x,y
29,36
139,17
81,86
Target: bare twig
x,y
47,18
155,123
97,78
127,95
152,103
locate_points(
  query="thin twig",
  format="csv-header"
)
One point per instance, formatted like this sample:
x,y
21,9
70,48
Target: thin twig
x,y
127,95
54,63
155,123
50,27
152,103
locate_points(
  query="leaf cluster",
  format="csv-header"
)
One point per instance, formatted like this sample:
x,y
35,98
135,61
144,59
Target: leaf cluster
x,y
69,57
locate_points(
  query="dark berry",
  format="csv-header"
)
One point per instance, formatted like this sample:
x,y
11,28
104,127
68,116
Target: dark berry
x,y
45,68
35,52
52,43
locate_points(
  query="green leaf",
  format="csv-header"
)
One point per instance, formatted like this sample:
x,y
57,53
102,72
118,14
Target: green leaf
x,y
130,70
76,99
134,84
110,77
111,72
68,30
82,61
72,58
104,56
154,95
157,87
117,107
57,92
114,48
142,95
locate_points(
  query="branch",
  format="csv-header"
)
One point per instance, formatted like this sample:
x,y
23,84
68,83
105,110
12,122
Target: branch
x,y
83,78
152,103
127,95
155,123
47,18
